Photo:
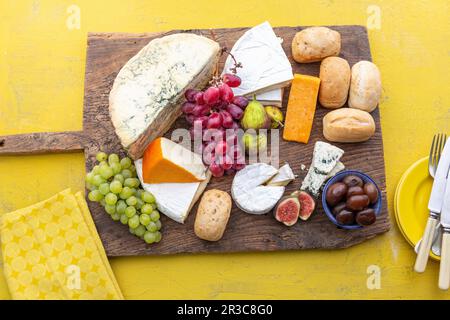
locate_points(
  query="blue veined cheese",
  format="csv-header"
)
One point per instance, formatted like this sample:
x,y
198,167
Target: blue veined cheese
x,y
325,159
145,98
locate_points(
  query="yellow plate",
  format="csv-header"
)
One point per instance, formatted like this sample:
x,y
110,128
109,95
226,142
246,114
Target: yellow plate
x,y
411,202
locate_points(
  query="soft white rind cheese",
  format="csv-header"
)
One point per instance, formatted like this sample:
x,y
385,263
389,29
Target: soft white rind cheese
x,y
265,65
154,79
325,158
175,200
249,192
284,176
270,98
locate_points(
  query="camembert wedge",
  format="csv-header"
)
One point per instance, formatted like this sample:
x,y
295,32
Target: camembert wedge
x,y
146,94
284,176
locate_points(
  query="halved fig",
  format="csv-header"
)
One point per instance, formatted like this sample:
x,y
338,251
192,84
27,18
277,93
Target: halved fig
x,y
307,204
287,210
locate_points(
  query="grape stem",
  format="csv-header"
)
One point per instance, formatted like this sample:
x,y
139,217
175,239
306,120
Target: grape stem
x,y
216,70
235,62
217,80
280,123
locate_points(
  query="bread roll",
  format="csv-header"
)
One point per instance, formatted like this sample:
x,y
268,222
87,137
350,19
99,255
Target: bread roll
x,y
334,82
212,215
315,43
365,86
348,125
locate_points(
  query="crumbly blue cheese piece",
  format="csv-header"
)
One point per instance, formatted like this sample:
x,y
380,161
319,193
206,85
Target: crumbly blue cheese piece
x,y
155,79
325,158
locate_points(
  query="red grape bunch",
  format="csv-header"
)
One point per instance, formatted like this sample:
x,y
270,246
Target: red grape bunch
x,y
214,116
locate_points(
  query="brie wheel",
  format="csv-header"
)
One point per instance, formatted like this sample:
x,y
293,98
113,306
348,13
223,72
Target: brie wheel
x,y
249,192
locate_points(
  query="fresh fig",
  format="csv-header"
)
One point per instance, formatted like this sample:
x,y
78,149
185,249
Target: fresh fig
x,y
255,116
254,143
307,204
275,115
287,210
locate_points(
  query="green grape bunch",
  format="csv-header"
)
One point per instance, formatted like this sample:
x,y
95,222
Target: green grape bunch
x,y
114,184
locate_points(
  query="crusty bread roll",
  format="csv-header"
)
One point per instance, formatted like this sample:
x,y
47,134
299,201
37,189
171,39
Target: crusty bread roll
x,y
348,125
334,82
212,215
365,86
315,43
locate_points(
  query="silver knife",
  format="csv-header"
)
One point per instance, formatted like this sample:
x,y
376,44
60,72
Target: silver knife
x,y
436,246
444,270
435,207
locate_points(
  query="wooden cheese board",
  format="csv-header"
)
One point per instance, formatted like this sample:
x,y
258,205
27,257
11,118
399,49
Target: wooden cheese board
x,y
108,52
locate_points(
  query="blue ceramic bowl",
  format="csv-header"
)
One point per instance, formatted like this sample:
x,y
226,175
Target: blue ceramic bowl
x,y
339,177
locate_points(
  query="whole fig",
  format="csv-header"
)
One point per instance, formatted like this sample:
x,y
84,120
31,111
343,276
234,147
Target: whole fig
x,y
254,142
255,116
275,115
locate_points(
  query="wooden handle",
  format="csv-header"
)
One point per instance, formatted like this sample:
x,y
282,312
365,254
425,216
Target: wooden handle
x,y
43,142
425,246
444,270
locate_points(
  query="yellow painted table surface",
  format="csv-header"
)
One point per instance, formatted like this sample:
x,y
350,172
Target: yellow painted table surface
x,y
42,58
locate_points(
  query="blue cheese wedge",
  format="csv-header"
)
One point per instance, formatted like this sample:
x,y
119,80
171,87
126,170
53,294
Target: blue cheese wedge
x,y
249,192
175,200
146,94
325,159
265,66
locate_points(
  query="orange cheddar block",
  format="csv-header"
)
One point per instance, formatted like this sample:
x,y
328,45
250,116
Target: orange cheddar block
x,y
301,108
168,162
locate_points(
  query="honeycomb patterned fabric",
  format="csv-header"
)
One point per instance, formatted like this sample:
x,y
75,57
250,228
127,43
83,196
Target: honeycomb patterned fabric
x,y
51,250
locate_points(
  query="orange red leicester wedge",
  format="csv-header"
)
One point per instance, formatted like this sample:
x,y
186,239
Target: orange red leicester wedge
x,y
168,162
301,108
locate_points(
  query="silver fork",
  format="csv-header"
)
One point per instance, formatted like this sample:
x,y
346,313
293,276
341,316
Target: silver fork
x,y
435,154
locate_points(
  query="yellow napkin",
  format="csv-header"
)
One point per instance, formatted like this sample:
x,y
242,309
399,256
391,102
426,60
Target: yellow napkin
x,y
51,250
